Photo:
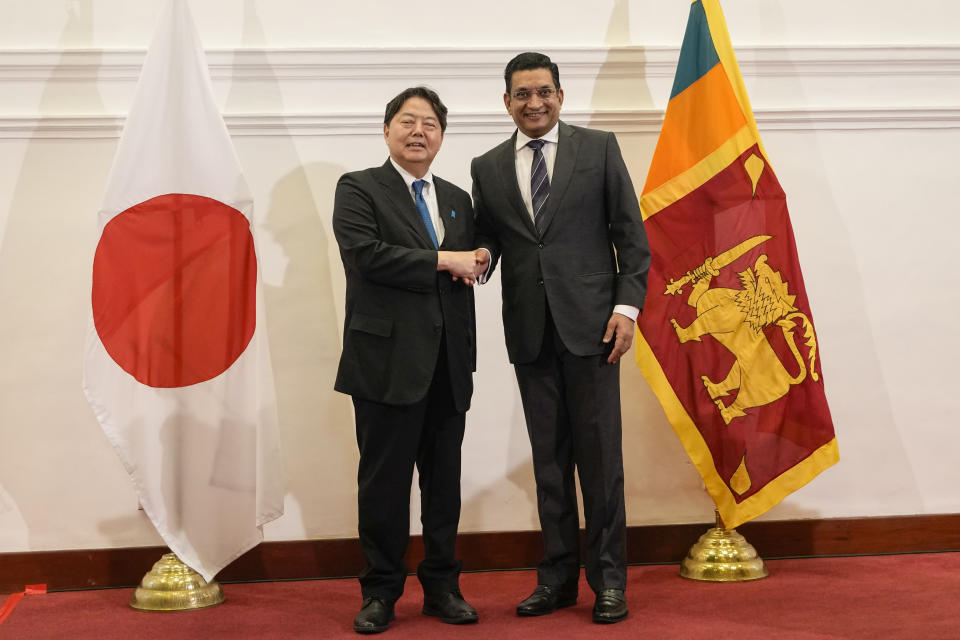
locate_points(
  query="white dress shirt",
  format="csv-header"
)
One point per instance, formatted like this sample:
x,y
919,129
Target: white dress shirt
x,y
524,160
429,196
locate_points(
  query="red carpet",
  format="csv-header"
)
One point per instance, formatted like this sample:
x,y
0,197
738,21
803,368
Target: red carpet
x,y
904,597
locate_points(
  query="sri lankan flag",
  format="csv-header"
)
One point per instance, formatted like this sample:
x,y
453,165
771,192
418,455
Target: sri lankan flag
x,y
726,339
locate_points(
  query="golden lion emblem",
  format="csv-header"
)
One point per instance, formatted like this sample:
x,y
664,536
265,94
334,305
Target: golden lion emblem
x,y
736,318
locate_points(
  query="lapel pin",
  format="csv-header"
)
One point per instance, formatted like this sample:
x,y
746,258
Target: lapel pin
x,y
453,213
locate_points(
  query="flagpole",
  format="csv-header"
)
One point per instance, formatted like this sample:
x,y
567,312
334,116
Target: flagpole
x,y
722,555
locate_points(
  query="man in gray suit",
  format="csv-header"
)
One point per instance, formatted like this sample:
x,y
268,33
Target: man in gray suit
x,y
556,207
409,352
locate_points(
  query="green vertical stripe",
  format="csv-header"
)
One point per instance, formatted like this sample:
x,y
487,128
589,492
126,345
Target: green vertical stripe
x,y
697,55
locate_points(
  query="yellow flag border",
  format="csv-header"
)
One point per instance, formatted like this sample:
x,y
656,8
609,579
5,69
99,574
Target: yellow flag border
x,y
732,513
721,42
693,178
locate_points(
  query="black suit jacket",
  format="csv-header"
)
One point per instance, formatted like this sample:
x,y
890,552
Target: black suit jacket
x,y
398,306
591,255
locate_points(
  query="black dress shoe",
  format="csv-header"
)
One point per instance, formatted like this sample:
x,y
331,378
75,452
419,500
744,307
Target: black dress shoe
x,y
450,607
546,599
610,606
374,616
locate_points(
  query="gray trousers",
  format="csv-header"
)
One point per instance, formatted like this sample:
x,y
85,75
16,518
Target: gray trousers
x,y
572,409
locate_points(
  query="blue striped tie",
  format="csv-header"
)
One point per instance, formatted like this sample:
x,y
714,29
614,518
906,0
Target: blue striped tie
x,y
424,211
539,182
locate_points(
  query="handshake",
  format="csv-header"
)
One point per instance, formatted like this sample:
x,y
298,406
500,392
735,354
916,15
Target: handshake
x,y
465,266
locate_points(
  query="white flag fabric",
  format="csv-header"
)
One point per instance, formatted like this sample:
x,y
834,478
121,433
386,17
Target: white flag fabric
x,y
177,367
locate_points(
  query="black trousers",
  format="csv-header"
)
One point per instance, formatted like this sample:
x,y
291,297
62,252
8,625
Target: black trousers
x,y
392,439
572,409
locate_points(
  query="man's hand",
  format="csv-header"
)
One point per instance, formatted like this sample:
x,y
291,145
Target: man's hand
x,y
461,265
620,326
483,262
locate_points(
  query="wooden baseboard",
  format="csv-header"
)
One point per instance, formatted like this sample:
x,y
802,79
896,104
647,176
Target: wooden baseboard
x,y
306,559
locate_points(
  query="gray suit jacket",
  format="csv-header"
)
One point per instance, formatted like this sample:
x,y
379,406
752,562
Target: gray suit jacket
x,y
397,305
592,252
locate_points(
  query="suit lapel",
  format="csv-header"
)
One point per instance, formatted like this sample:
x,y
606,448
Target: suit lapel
x,y
396,190
568,145
511,186
445,208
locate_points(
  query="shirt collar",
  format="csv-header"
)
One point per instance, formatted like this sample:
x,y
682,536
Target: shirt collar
x,y
550,136
408,177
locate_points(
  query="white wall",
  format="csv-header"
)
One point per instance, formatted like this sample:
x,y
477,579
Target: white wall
x,y
859,105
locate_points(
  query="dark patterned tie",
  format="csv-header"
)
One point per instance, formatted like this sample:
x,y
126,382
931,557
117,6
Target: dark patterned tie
x,y
424,211
539,182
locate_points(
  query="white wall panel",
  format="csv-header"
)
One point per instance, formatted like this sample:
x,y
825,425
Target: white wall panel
x,y
859,106
306,23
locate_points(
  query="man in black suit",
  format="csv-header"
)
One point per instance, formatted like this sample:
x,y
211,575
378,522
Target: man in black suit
x,y
555,205
408,358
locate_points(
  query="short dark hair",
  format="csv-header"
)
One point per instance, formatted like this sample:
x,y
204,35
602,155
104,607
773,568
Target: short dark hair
x,y
393,107
531,60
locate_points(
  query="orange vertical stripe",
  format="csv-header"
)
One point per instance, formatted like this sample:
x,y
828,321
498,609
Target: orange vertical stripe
x,y
699,119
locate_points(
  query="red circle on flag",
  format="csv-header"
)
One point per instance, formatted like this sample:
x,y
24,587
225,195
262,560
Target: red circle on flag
x,y
175,289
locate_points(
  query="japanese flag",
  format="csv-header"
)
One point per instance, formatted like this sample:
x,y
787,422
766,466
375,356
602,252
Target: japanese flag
x,y
177,367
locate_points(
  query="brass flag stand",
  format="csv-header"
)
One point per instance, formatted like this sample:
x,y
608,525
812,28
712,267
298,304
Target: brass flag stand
x,y
173,586
722,555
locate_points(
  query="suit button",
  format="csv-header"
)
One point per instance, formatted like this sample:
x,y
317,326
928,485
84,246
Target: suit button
x,y
540,282
540,245
437,327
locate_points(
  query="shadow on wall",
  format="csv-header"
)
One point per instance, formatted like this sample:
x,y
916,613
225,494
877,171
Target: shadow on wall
x,y
317,438
316,423
45,271
867,432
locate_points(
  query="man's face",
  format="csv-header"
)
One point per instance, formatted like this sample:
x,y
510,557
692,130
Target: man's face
x,y
534,114
413,136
